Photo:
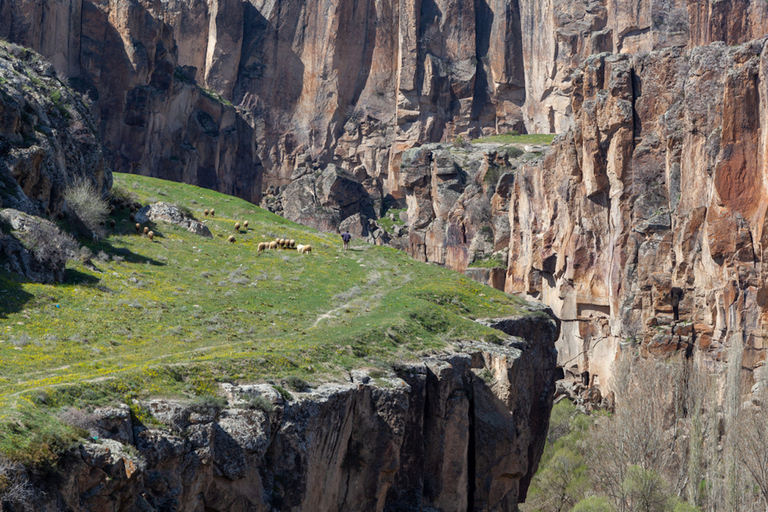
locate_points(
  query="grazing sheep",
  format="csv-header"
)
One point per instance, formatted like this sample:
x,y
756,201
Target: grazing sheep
x,y
237,226
132,209
292,244
245,224
273,245
205,212
213,212
146,230
304,249
231,239
112,223
263,246
151,235
138,228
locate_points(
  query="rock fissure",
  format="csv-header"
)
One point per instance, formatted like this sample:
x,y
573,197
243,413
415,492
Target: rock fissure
x,y
471,453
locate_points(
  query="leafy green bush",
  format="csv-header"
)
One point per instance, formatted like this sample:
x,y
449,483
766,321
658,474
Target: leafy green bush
x,y
260,403
296,383
514,151
35,438
646,490
287,396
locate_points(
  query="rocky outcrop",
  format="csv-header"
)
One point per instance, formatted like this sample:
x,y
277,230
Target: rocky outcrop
x,y
154,118
172,214
457,211
645,225
560,35
48,140
457,432
238,95
34,247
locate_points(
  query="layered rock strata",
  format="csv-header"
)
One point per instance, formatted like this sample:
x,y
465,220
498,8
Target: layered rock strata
x,y
457,432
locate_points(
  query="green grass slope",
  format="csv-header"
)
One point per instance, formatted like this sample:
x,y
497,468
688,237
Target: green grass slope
x,y
515,138
180,314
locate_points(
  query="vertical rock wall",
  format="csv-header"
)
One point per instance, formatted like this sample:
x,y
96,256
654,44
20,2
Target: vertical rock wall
x,y
236,94
645,224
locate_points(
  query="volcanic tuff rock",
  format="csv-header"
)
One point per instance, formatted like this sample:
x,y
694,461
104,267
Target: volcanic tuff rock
x,y
243,95
644,225
232,94
457,432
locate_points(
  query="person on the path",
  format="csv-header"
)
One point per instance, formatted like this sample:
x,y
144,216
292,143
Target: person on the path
x,y
346,237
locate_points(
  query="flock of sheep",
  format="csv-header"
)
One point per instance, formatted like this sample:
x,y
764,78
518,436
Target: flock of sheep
x,y
278,243
283,243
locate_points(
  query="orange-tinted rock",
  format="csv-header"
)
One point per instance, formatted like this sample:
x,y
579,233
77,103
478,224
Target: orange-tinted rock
x,y
679,208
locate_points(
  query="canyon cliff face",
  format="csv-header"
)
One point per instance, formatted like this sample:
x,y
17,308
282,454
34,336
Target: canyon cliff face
x,y
645,225
457,432
237,95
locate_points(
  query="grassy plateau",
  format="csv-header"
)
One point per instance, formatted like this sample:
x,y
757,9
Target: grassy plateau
x,y
178,315
515,138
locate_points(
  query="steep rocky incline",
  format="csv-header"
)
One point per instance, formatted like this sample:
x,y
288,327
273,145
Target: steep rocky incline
x,y
459,432
238,95
48,139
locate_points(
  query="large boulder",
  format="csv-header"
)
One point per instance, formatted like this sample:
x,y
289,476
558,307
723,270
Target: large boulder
x,y
172,214
34,247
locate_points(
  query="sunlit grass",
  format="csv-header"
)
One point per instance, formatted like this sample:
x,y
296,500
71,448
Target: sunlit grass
x,y
180,314
513,138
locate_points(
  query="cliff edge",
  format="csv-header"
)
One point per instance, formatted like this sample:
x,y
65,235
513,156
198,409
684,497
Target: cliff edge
x,y
462,431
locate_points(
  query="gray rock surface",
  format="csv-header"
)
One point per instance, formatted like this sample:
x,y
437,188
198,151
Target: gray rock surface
x,y
48,139
174,215
34,247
